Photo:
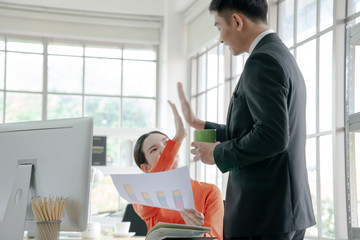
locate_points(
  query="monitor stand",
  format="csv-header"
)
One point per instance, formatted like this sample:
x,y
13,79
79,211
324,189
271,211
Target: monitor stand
x,y
13,224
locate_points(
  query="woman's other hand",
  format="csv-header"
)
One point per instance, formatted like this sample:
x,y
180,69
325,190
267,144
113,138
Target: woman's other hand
x,y
192,217
179,125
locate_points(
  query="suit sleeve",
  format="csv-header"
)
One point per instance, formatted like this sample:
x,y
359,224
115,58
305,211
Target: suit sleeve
x,y
164,163
220,130
265,93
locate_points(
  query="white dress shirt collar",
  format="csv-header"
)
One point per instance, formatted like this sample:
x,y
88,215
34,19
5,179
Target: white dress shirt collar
x,y
258,38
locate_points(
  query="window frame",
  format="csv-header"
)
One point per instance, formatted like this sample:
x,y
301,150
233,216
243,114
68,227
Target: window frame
x,y
121,133
352,120
198,170
338,128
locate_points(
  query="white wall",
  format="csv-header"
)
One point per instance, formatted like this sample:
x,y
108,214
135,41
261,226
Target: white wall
x,y
184,33
174,68
173,62
200,29
65,22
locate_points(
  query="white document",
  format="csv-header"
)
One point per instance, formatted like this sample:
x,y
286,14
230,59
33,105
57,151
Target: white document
x,y
169,189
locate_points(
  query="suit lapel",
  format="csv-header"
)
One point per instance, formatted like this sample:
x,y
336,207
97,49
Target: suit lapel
x,y
231,106
268,38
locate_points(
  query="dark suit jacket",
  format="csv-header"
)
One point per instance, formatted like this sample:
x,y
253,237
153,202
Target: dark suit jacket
x,y
263,146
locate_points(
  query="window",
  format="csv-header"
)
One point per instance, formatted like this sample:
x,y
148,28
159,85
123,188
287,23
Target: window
x,y
307,28
207,100
214,74
314,31
81,80
316,40
113,83
2,72
353,7
308,31
353,126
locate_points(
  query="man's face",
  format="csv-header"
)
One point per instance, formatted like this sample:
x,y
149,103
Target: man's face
x,y
230,34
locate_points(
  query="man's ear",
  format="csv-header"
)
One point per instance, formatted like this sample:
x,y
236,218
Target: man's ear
x,y
238,20
145,167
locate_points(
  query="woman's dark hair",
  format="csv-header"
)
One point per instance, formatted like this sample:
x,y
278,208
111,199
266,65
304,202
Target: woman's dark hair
x,y
139,155
253,9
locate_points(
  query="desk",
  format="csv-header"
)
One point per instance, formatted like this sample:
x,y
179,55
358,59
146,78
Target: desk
x,y
131,238
101,238
107,238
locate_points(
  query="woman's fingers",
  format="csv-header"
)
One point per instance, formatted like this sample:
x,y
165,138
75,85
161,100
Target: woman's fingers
x,y
175,111
179,125
181,92
192,217
173,107
185,107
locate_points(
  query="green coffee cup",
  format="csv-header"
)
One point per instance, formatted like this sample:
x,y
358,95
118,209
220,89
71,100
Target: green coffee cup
x,y
205,135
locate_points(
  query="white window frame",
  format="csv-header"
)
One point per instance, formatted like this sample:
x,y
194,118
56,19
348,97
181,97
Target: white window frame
x,y
352,125
128,134
338,128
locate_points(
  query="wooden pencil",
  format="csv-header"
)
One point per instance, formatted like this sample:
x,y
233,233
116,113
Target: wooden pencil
x,y
48,214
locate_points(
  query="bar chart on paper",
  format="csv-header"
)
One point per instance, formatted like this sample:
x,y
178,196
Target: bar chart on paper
x,y
179,203
170,189
162,199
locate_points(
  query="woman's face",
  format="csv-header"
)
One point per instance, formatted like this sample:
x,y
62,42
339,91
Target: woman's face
x,y
152,147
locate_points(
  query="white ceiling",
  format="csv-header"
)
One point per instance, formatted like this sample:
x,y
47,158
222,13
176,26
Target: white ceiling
x,y
183,5
136,7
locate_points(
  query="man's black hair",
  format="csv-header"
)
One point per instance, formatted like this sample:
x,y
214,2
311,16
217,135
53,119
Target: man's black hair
x,y
255,10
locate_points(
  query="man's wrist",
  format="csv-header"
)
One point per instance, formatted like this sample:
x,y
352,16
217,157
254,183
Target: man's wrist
x,y
198,124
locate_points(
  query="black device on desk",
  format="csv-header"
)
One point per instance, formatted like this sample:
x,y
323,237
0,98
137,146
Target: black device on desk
x,y
137,224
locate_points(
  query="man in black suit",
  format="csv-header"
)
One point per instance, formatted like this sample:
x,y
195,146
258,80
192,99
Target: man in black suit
x,y
262,145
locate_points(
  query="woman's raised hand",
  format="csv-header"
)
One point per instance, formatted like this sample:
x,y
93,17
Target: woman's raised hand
x,y
189,116
179,125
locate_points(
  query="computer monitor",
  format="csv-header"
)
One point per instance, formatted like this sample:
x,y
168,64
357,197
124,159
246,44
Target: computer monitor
x,y
59,155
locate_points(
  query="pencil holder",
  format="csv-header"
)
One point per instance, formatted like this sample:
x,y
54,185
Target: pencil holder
x,y
48,213
47,230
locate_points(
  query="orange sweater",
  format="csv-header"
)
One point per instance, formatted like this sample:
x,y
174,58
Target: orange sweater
x,y
207,199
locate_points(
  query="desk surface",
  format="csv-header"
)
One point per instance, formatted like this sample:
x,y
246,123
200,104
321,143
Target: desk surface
x,y
108,238
101,238
131,238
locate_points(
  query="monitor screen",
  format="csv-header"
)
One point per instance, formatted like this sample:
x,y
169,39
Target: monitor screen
x,y
60,151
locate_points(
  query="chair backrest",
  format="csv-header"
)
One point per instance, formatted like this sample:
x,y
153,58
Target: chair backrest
x,y
137,224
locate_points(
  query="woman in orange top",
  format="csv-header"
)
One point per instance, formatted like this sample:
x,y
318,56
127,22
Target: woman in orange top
x,y
155,152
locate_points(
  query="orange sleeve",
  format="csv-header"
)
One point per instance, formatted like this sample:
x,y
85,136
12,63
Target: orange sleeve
x,y
214,213
164,163
167,157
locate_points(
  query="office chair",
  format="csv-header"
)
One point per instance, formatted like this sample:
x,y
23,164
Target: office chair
x,y
137,224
